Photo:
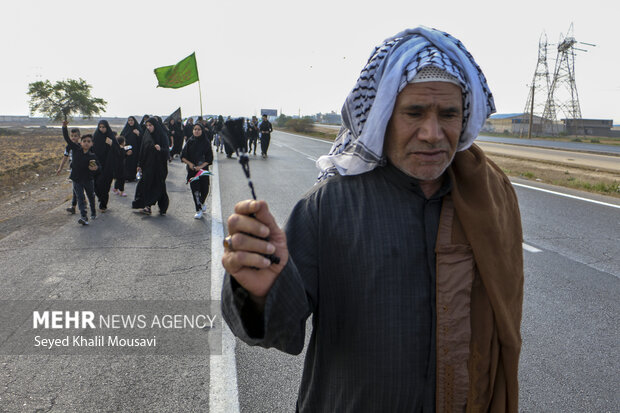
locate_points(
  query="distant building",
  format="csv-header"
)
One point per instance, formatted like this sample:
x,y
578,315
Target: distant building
x,y
515,123
331,118
589,127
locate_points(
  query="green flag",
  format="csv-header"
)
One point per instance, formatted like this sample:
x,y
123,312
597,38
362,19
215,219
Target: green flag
x,y
182,74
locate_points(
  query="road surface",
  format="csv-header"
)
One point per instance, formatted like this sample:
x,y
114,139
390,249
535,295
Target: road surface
x,y
570,359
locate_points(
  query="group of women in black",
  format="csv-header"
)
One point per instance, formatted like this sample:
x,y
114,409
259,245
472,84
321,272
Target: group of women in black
x,y
142,151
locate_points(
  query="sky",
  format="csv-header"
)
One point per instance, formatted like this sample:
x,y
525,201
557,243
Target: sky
x,y
299,57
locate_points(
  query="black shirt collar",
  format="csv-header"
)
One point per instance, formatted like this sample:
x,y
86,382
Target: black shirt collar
x,y
409,183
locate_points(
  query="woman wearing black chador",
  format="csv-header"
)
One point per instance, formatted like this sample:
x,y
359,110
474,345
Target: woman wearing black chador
x,y
108,153
153,164
176,132
198,155
133,137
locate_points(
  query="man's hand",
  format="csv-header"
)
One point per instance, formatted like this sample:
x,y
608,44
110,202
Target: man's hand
x,y
245,249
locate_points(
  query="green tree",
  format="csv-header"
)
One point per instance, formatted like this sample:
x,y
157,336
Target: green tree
x,y
282,120
64,98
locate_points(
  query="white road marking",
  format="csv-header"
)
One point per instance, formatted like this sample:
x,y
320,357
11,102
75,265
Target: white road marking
x,y
298,151
223,391
567,195
530,248
307,137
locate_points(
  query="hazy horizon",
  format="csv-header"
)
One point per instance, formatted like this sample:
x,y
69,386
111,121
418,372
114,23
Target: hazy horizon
x,y
291,56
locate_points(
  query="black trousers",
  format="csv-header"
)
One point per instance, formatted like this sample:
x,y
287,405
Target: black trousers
x,y
78,191
264,142
252,142
200,190
102,190
119,183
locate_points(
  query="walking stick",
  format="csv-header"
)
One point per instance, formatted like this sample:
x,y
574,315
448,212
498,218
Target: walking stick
x,y
234,134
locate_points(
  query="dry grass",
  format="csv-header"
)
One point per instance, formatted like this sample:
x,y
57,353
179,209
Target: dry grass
x,y
571,177
27,154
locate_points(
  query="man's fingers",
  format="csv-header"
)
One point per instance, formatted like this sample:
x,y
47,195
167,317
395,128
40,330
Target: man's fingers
x,y
235,261
243,223
247,207
260,209
243,242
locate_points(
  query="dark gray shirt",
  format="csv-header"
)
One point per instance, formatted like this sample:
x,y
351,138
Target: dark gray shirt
x,y
363,264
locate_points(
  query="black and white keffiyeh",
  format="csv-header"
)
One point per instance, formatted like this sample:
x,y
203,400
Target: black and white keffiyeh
x,y
392,65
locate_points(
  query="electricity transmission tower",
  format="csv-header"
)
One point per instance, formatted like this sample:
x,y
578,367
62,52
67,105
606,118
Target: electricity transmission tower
x,y
563,94
538,95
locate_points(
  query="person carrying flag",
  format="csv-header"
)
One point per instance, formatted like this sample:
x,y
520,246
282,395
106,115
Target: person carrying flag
x,y
197,155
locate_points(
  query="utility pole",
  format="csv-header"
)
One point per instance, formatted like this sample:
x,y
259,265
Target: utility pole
x,y
564,81
529,130
538,93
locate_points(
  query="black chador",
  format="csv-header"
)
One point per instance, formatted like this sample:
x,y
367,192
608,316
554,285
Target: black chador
x,y
153,161
143,121
198,155
108,153
133,137
176,132
188,128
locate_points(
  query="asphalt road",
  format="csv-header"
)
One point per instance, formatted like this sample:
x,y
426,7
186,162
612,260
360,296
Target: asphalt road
x,y
569,361
120,256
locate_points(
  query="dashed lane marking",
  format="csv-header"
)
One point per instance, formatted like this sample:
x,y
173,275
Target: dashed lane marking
x,y
530,248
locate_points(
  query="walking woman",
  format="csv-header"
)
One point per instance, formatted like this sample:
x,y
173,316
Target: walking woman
x,y
108,150
198,155
133,137
176,133
153,164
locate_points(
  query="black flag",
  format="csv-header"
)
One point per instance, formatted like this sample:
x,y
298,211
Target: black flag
x,y
176,115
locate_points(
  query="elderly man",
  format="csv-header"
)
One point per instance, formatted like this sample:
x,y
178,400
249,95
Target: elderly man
x,y
407,253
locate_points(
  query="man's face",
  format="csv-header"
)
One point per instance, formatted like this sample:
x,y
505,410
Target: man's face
x,y
86,143
150,127
102,128
423,132
75,137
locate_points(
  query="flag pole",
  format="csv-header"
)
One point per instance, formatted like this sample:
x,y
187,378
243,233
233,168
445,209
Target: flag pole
x,y
200,92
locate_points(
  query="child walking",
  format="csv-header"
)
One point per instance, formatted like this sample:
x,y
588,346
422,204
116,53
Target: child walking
x,y
75,137
83,166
